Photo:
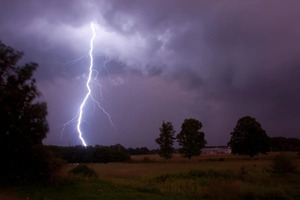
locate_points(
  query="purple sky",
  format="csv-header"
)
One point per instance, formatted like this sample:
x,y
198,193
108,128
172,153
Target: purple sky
x,y
215,61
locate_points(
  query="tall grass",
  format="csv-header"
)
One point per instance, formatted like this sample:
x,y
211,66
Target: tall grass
x,y
214,178
202,178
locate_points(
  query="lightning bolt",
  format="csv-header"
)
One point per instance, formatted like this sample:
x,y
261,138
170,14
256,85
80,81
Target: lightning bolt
x,y
88,95
87,85
74,61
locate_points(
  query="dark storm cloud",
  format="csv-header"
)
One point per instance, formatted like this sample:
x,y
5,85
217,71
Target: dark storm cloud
x,y
216,61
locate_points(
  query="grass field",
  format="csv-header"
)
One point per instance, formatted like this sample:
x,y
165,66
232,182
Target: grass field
x,y
219,176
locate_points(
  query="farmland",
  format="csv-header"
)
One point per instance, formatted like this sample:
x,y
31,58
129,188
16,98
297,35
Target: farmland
x,y
209,176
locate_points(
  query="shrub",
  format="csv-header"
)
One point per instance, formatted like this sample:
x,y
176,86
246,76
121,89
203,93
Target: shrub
x,y
85,171
41,167
283,164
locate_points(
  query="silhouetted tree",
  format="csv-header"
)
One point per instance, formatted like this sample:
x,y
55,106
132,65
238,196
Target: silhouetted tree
x,y
166,140
23,122
190,139
285,144
248,138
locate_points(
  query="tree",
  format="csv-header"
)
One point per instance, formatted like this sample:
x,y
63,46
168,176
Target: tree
x,y
190,139
248,138
166,140
23,122
285,144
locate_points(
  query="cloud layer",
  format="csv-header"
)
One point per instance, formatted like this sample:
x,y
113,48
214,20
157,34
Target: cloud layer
x,y
212,60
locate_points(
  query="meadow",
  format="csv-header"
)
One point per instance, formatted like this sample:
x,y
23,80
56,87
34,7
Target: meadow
x,y
209,176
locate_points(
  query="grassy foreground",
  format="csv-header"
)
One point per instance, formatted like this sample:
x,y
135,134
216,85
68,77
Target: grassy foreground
x,y
150,177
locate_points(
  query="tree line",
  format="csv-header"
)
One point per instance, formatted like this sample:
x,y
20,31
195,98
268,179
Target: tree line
x,y
98,154
247,138
90,154
285,144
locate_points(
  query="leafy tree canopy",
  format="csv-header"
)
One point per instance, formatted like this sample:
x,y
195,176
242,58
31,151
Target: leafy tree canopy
x,y
190,139
23,121
248,138
166,140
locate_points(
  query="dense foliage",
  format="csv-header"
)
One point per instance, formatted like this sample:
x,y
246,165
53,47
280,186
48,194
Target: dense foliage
x,y
249,138
23,122
90,154
190,139
285,144
141,151
166,140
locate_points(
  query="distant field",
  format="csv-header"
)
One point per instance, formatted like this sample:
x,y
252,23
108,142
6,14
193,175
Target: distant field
x,y
153,165
209,176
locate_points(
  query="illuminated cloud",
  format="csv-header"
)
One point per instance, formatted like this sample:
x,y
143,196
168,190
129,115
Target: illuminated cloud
x,y
213,60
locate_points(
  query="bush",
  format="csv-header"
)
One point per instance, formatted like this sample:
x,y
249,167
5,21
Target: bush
x,y
42,166
85,171
283,164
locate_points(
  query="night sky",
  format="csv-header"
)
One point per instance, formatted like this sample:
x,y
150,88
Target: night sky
x,y
216,61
